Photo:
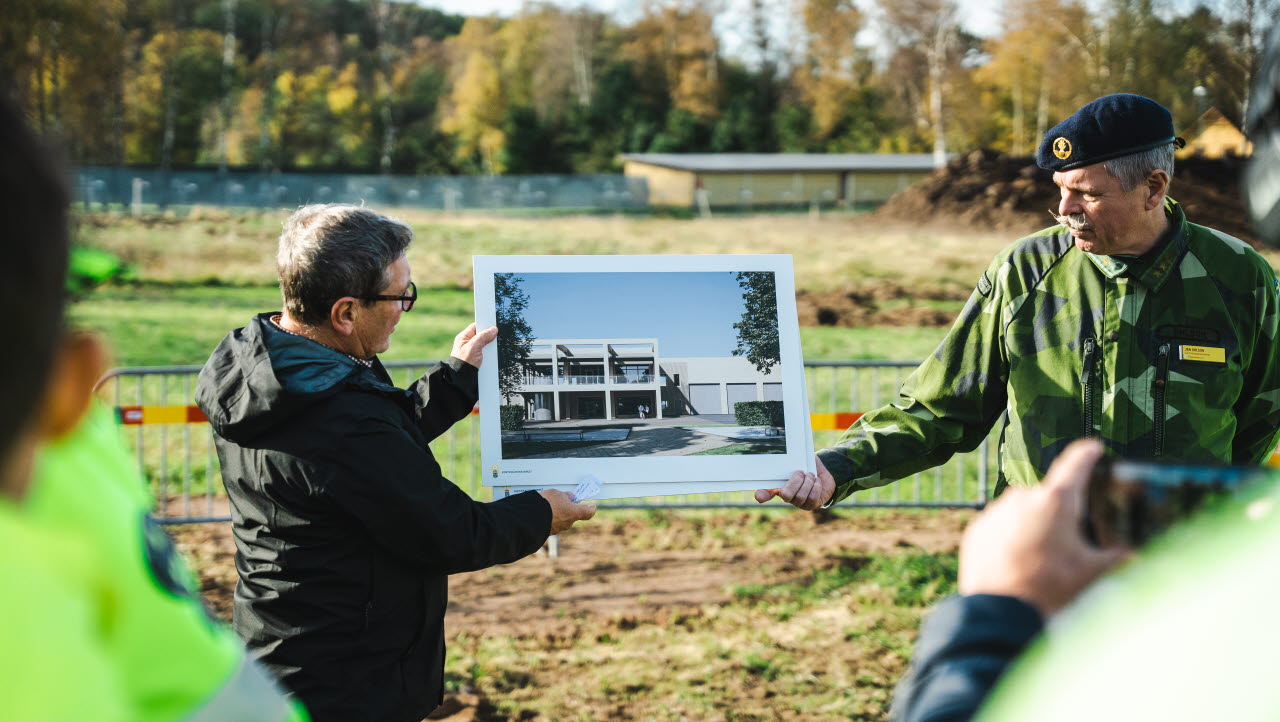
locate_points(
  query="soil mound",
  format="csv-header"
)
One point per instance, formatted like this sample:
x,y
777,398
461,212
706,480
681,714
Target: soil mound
x,y
984,189
876,303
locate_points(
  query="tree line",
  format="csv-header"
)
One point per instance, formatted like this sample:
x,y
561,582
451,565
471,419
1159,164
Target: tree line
x,y
395,87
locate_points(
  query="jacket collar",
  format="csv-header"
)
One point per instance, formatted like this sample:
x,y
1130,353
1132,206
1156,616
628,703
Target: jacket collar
x,y
1154,267
304,366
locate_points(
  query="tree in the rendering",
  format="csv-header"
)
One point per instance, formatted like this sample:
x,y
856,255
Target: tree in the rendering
x,y
758,329
515,336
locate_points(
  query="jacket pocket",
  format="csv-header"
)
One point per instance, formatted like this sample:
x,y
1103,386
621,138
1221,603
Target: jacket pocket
x,y
1086,382
1158,398
1199,400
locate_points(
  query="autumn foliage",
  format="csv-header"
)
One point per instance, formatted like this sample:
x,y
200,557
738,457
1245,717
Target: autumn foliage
x,y
376,85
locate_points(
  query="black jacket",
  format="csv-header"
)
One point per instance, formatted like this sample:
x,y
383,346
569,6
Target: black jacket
x,y
965,645
345,528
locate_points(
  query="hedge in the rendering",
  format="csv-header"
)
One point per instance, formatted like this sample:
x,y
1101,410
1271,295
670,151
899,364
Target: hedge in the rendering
x,y
758,413
511,417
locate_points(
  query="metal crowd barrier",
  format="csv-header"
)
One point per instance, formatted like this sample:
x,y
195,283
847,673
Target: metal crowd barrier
x,y
173,443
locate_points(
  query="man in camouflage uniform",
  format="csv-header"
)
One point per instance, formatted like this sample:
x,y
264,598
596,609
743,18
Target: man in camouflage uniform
x,y
1126,322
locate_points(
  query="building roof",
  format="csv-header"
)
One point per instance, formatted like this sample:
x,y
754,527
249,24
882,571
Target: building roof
x,y
785,162
1217,136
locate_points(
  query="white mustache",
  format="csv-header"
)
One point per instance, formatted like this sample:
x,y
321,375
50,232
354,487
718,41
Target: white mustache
x,y
1074,221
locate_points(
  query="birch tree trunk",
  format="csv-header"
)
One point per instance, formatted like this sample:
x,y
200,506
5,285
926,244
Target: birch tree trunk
x,y
1042,106
937,71
381,10
582,44
228,64
170,112
42,114
117,105
1019,118
55,76
269,28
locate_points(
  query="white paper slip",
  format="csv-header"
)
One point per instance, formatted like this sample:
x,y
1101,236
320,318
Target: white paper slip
x,y
589,487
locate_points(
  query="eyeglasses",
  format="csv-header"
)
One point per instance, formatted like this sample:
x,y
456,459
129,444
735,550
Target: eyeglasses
x,y
406,302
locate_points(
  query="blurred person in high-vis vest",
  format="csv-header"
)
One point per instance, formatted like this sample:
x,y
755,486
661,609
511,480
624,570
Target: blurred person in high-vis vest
x,y
102,621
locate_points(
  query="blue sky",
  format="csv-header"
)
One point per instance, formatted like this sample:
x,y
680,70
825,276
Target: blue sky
x,y
978,16
691,314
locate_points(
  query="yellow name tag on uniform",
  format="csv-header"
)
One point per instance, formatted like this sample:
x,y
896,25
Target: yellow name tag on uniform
x,y
1210,354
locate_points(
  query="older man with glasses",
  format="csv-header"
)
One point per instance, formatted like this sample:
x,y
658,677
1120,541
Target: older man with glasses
x,y
345,528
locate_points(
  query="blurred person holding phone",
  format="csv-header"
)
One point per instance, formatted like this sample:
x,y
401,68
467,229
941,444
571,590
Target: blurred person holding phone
x,y
1188,631
102,620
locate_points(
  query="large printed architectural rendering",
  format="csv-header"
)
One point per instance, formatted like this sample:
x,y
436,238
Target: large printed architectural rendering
x,y
624,378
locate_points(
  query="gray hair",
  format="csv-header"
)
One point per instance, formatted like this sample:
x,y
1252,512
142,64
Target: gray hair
x,y
1134,168
328,251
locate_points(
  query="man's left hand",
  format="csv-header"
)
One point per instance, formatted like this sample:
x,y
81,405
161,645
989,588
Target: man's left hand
x,y
469,345
803,490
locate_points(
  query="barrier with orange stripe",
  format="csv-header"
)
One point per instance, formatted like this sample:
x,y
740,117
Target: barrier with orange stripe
x,y
191,414
178,414
175,450
838,421
175,414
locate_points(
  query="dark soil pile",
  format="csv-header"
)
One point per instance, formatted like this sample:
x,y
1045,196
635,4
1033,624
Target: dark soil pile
x,y
986,190
876,303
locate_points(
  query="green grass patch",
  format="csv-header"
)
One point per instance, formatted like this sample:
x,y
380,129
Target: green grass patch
x,y
913,579
736,449
162,325
895,343
918,579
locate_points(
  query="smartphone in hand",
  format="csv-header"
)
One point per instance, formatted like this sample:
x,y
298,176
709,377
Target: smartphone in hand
x,y
1131,501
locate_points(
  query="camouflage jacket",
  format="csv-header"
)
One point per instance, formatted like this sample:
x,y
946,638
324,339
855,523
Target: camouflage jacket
x,y
1171,354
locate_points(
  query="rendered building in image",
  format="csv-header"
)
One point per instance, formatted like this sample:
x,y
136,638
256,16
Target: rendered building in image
x,y
615,378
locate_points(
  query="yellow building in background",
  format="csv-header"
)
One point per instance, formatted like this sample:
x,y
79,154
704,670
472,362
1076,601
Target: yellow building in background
x,y
776,179
1217,137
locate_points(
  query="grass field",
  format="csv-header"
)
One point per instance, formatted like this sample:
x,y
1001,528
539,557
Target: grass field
x,y
162,324
832,252
198,277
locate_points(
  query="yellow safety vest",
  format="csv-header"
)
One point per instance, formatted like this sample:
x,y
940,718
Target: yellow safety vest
x,y
171,659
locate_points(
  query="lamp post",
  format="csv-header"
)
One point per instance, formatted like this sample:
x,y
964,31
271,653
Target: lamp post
x,y
1201,93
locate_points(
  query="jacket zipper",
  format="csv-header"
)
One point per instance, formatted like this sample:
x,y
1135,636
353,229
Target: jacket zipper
x,y
1086,380
1162,375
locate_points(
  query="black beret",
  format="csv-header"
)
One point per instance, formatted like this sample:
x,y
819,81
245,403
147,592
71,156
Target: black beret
x,y
1109,127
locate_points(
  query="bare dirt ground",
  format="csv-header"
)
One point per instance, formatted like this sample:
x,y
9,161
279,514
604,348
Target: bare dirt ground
x,y
626,577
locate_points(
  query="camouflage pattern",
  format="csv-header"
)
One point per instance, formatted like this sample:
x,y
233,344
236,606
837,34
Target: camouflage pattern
x,y
1073,344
